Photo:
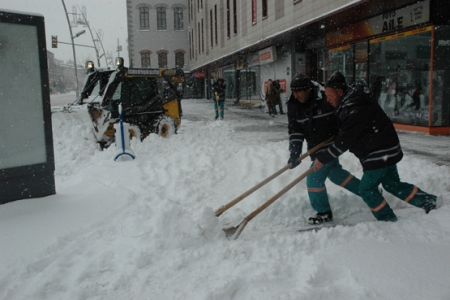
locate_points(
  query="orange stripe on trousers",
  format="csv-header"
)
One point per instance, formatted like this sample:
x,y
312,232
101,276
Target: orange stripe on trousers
x,y
344,183
316,190
412,195
379,207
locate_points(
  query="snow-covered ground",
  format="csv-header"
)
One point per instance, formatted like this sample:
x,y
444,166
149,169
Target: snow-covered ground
x,y
145,229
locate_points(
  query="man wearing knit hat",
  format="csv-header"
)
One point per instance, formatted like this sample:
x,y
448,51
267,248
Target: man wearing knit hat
x,y
366,131
311,118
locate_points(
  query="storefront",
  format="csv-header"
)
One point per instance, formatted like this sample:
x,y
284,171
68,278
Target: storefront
x,y
403,57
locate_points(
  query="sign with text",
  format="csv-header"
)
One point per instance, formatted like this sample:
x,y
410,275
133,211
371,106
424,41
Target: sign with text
x,y
267,55
390,21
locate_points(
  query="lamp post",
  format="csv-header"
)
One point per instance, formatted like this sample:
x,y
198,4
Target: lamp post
x,y
73,48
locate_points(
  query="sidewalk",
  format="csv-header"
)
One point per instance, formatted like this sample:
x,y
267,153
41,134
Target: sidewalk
x,y
435,147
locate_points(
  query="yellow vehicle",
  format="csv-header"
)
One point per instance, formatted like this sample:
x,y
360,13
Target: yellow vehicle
x,y
150,98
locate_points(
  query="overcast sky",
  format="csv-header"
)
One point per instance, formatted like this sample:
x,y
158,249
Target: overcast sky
x,y
106,15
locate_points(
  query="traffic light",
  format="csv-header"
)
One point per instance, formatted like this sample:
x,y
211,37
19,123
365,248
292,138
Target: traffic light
x,y
54,41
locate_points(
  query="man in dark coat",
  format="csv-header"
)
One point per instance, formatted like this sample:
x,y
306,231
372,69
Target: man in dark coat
x,y
366,131
218,89
279,90
311,118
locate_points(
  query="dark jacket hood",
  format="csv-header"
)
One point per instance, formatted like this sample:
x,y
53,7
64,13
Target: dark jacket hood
x,y
358,93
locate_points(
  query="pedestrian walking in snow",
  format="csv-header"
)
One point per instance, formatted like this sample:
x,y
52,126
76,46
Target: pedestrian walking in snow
x,y
366,131
279,91
271,98
218,89
311,118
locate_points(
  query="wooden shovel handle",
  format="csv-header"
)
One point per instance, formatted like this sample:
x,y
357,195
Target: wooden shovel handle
x,y
270,201
279,194
238,199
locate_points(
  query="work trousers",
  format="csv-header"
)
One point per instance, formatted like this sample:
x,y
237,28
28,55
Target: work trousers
x,y
315,182
219,108
390,180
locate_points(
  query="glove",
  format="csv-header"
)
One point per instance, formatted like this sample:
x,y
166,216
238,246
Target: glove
x,y
293,160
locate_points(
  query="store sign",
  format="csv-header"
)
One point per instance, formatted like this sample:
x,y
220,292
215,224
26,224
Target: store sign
x,y
267,55
390,21
200,74
253,60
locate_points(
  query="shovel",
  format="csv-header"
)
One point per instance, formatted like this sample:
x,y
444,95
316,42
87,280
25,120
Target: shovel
x,y
123,141
235,231
227,206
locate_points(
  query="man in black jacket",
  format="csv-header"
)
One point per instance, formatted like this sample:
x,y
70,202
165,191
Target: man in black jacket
x,y
311,118
366,131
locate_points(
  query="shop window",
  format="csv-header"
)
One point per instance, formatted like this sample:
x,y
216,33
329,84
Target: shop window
x,y
400,77
361,62
341,59
441,63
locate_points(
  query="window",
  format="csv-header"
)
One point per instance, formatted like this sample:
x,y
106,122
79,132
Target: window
x,y
190,46
215,23
178,18
190,9
179,59
228,19
211,27
161,18
203,39
162,59
254,12
264,9
198,36
145,59
144,18
235,29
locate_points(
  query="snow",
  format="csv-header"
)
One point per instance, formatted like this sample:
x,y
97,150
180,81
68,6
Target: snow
x,y
145,229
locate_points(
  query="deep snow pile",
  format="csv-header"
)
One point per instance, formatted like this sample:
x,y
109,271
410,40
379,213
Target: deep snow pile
x,y
145,229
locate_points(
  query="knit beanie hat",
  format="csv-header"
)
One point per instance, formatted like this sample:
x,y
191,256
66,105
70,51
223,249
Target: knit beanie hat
x,y
301,82
336,81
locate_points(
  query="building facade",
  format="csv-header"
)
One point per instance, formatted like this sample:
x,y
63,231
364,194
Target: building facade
x,y
157,33
399,47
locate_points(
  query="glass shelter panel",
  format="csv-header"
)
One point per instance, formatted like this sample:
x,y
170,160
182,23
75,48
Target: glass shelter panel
x,y
400,76
23,139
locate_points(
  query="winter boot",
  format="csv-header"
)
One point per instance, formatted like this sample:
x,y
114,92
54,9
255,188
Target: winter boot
x,y
320,218
429,203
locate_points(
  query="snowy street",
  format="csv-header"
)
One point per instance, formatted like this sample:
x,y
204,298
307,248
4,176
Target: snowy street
x,y
145,229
